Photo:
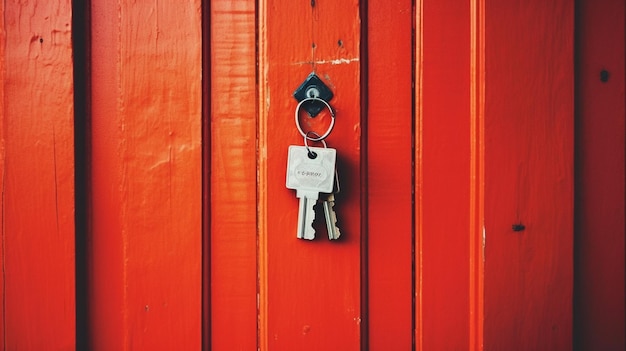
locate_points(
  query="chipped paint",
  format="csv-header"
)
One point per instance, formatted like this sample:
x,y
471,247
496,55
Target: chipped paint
x,y
340,61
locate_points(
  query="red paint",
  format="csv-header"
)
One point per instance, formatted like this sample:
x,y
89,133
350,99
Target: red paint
x,y
599,291
490,125
494,148
529,175
37,166
145,254
2,154
310,295
233,161
443,168
388,174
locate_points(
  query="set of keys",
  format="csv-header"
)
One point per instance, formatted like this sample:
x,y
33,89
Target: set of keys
x,y
311,171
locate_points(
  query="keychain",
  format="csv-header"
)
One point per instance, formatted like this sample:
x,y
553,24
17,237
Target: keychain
x,y
311,171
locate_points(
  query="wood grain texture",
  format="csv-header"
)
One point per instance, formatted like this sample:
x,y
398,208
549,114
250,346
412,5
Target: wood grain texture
x,y
389,175
529,175
38,180
146,211
233,159
310,291
600,317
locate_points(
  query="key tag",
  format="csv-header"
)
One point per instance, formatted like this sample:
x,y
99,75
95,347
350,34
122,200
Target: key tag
x,y
311,168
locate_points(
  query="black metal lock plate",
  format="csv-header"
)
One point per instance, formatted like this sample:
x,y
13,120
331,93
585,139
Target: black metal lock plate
x,y
313,87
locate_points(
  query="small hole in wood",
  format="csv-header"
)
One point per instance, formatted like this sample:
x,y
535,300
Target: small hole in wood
x,y
518,227
604,76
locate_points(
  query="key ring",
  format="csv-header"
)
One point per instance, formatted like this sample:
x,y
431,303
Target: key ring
x,y
306,135
310,153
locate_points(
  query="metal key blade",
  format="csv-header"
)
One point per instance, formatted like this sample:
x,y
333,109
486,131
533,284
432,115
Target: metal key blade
x,y
306,215
331,218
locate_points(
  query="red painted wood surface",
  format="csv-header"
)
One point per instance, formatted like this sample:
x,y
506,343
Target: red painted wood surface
x,y
529,175
389,176
310,292
37,167
233,172
600,109
444,165
494,137
493,146
146,190
2,153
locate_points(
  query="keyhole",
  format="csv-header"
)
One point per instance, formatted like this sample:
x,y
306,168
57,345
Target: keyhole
x,y
312,92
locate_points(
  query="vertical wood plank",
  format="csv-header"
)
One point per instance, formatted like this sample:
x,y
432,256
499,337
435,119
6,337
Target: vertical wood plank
x,y
2,161
146,211
418,176
529,175
37,166
449,175
233,156
443,174
310,291
476,229
389,174
600,317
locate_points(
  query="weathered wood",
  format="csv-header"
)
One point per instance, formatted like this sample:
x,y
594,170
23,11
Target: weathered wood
x,y
233,186
146,189
37,172
493,148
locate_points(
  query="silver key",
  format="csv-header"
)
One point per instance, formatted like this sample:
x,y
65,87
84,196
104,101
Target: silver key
x,y
310,171
329,212
306,214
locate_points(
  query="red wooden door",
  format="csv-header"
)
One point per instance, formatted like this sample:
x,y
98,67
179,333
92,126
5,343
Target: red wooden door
x,y
455,139
476,138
